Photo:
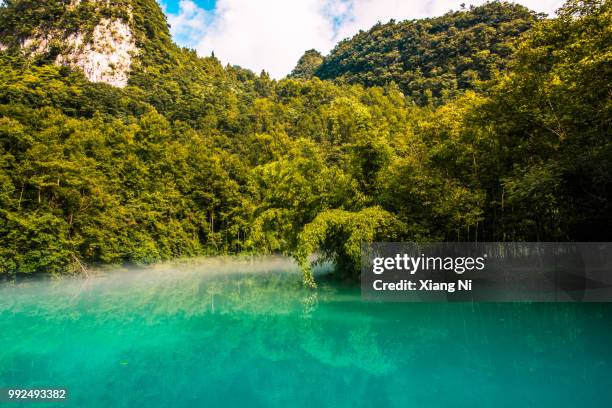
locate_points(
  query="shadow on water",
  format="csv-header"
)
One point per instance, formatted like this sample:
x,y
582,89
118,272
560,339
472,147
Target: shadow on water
x,y
245,332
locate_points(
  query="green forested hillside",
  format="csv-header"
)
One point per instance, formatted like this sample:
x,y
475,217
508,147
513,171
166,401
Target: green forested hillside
x,y
193,157
308,64
431,60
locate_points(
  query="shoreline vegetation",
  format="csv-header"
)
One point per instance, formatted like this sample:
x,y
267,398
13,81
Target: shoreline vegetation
x,y
490,123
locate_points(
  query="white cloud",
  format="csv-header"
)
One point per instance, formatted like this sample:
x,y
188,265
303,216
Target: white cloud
x,y
189,25
273,34
270,34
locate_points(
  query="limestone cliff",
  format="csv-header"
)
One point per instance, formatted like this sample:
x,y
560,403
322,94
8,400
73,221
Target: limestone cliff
x,y
102,45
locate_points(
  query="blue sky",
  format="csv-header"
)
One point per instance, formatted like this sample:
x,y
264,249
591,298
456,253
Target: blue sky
x,y
273,34
172,6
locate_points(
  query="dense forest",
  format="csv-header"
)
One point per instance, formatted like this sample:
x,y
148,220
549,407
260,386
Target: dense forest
x,y
490,123
431,60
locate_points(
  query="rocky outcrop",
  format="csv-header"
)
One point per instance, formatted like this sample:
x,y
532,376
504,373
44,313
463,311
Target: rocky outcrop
x,y
105,55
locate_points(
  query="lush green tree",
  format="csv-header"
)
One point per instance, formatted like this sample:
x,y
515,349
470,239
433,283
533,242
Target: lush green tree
x,y
550,119
308,64
337,235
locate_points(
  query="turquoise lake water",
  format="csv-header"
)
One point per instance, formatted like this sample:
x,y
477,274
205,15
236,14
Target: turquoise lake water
x,y
247,334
